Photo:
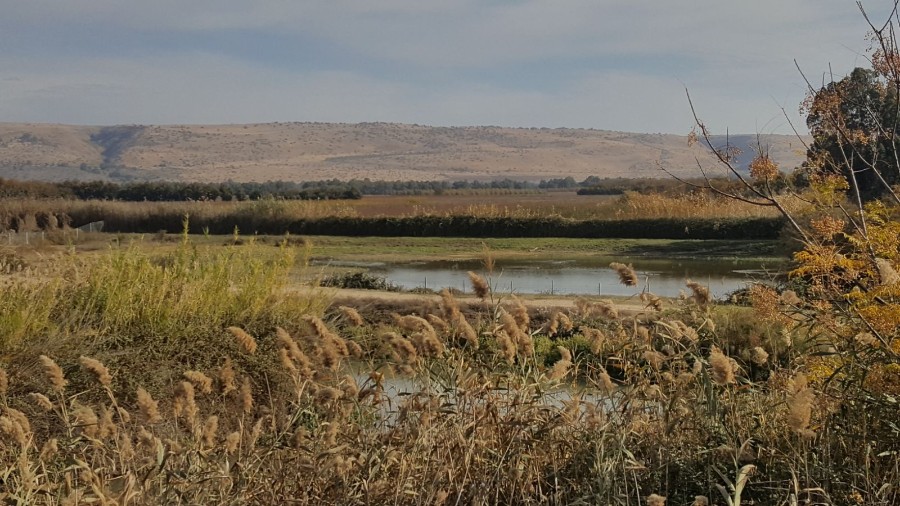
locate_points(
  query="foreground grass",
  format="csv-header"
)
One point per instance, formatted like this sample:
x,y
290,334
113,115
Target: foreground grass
x,y
192,377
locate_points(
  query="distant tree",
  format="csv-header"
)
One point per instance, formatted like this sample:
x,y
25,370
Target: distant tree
x,y
854,124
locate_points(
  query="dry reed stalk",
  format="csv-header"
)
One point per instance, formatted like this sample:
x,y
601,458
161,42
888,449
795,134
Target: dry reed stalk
x,y
247,342
656,500
49,450
449,306
86,420
562,366
403,350
722,367
506,346
595,337
627,275
14,431
4,382
352,316
800,406
232,442
185,403
54,374
654,358
467,332
148,407
520,313
759,356
481,287
97,369
226,377
200,380
41,400
886,272
291,352
651,301
20,418
210,429
246,395
607,309
438,323
106,427
700,293
790,298
427,344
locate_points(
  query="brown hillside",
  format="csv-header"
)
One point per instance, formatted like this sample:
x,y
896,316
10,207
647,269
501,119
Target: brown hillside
x,y
311,151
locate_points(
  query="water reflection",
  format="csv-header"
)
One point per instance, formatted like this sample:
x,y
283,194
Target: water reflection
x,y
570,277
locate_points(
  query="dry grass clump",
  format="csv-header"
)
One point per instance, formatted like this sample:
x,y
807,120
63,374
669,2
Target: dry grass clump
x,y
627,275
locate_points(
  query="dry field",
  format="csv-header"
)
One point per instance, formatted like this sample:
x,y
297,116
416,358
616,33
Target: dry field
x,y
381,151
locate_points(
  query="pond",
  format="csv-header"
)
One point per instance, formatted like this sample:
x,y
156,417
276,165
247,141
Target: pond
x,y
663,277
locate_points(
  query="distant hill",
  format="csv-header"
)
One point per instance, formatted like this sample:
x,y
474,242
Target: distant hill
x,y
385,151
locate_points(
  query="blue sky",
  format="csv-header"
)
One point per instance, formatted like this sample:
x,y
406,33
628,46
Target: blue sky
x,y
606,64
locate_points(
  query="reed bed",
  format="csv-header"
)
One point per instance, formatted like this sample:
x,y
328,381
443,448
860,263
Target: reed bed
x,y
272,401
552,204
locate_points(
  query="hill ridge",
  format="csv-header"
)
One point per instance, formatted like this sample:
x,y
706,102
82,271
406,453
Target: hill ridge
x,y
302,151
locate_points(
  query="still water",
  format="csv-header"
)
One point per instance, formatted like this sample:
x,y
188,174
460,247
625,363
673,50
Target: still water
x,y
664,277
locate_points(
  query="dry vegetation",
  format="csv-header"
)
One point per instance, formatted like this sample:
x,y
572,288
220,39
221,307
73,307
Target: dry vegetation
x,y
552,204
193,377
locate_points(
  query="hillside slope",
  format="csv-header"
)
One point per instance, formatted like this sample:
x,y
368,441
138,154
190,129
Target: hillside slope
x,y
311,151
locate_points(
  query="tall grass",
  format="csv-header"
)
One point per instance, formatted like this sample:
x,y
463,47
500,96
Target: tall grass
x,y
130,294
272,402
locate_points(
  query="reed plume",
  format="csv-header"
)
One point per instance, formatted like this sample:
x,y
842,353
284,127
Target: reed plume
x,y
449,306
467,331
561,367
86,420
481,287
800,406
97,369
226,377
14,431
656,500
886,272
245,340
700,293
210,428
627,275
507,347
20,418
185,404
148,407
722,367
246,396
595,337
520,313
352,316
438,323
607,309
54,374
41,400
200,380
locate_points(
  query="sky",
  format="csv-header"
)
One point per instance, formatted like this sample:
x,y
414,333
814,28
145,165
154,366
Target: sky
x,y
606,64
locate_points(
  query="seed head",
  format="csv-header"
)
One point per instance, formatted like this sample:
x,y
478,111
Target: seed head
x,y
247,342
95,367
54,374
